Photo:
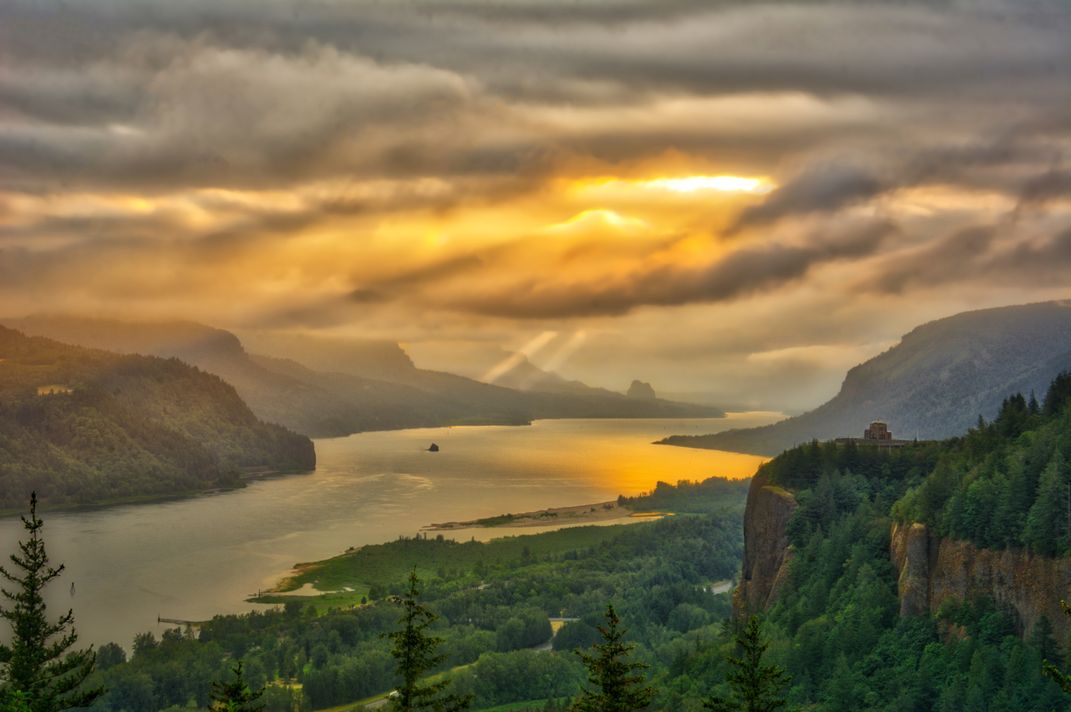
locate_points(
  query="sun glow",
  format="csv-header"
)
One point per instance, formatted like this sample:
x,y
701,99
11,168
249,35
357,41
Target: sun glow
x,y
694,184
598,217
680,184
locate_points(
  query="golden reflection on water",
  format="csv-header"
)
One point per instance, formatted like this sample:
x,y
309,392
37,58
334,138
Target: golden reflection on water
x,y
631,469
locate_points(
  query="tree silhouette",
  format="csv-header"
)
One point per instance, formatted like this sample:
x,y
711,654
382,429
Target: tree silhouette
x,y
416,653
235,695
41,671
755,687
615,682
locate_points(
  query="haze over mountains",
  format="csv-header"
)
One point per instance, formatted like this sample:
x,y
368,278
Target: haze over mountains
x,y
341,387
83,425
933,384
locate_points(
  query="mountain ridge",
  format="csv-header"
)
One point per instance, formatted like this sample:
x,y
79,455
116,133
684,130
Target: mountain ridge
x,y
933,384
339,402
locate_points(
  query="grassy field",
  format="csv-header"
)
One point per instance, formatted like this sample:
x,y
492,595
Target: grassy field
x,y
384,564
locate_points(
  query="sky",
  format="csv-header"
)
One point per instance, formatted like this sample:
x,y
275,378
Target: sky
x,y
734,199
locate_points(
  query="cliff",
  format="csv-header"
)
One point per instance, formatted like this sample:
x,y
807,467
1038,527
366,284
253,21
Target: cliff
x,y
933,570
930,570
767,555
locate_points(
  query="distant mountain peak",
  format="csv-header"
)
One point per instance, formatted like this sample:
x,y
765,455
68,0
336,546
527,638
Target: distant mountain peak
x,y
641,390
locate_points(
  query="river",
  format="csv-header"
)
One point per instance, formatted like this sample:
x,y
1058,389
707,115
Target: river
x,y
192,558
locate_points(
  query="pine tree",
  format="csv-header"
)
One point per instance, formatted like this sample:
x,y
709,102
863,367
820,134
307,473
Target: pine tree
x,y
616,685
416,653
1051,670
235,695
41,671
13,702
755,687
1046,529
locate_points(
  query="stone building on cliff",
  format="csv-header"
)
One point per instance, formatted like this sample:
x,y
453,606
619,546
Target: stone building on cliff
x,y
877,434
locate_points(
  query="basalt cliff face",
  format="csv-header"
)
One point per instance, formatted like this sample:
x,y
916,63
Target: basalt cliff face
x,y
933,570
766,551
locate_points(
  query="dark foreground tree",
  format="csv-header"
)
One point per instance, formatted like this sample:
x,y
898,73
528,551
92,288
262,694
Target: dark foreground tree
x,y
1052,670
616,684
755,687
41,671
416,652
235,695
13,702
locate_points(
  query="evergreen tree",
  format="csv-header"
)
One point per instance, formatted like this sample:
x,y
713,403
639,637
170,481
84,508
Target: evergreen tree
x,y
416,653
1059,394
1046,527
13,702
41,671
616,685
755,687
235,695
1051,670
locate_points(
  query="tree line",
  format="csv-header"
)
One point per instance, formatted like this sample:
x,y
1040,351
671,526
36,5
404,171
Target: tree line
x,y
43,670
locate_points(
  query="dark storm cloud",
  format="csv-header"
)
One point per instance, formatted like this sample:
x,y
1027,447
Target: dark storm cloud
x,y
821,188
843,103
997,163
981,255
240,93
741,272
1047,186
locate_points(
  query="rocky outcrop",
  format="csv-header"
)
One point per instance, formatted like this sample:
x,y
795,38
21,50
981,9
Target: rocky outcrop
x,y
641,390
767,554
933,570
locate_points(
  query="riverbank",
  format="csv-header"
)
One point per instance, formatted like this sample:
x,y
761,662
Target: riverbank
x,y
363,573
244,479
575,515
360,574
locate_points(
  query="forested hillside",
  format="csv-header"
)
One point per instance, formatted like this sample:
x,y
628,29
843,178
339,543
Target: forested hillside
x,y
85,426
933,384
836,615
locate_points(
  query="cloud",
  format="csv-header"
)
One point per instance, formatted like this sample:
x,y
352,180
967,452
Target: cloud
x,y
1048,186
983,255
821,188
392,167
741,272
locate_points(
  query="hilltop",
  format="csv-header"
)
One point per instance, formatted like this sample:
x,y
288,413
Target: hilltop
x,y
86,426
934,384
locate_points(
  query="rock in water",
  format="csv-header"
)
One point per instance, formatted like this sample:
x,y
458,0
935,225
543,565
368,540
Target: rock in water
x,y
433,448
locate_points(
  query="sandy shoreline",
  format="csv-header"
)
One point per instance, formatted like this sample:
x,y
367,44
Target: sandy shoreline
x,y
583,513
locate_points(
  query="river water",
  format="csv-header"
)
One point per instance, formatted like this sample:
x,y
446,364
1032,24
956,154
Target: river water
x,y
192,558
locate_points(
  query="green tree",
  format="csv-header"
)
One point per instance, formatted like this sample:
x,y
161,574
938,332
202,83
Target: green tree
x,y
13,702
40,667
616,682
755,686
235,695
1046,524
1053,671
415,652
